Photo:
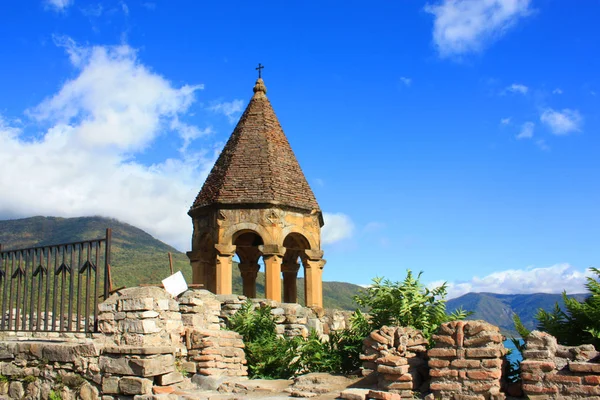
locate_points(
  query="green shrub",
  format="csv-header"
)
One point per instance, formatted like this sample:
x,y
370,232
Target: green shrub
x,y
407,303
347,343
580,322
268,356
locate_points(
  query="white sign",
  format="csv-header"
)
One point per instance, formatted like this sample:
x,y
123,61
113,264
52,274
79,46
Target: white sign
x,y
175,284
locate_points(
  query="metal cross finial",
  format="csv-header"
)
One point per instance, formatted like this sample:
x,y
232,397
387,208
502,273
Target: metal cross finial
x,y
259,68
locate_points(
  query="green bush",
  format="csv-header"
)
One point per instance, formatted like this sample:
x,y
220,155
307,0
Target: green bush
x,y
407,303
580,322
347,343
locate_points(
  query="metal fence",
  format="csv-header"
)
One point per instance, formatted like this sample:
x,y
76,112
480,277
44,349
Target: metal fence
x,y
54,288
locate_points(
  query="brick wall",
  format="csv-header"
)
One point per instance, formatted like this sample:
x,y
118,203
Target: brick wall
x,y
553,371
467,360
395,357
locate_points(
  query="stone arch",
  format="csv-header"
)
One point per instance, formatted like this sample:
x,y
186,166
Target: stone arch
x,y
247,244
308,236
295,245
229,233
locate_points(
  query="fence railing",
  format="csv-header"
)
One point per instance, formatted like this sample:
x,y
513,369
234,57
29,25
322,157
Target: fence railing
x,y
54,288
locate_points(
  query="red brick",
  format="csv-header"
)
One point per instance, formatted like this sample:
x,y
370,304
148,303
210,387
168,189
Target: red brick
x,y
400,385
466,363
444,339
484,375
441,352
445,386
438,363
491,363
533,377
533,366
378,338
592,380
398,378
485,352
583,389
163,389
563,378
483,339
527,388
385,369
392,360
443,372
381,395
477,386
584,367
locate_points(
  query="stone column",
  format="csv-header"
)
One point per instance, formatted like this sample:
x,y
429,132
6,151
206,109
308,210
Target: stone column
x,y
272,256
249,270
313,275
223,270
290,287
198,272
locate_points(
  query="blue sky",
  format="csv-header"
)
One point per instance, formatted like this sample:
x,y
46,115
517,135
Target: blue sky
x,y
456,137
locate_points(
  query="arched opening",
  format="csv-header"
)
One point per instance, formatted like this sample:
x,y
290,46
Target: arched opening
x,y
295,246
246,243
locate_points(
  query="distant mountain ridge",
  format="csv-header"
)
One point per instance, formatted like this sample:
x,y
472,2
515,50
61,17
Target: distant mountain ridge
x,y
137,257
498,309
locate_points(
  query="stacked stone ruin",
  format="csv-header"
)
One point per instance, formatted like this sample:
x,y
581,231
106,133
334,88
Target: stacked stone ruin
x,y
466,362
395,358
553,371
217,352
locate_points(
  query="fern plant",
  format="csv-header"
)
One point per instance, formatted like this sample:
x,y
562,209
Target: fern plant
x,y
407,303
579,323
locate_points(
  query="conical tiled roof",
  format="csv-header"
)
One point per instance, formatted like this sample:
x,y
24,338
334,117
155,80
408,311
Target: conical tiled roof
x,y
257,165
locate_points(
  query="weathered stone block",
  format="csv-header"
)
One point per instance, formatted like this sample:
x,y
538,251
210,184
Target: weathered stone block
x,y
136,304
110,385
132,385
169,379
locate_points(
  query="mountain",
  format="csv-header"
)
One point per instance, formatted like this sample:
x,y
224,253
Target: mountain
x,y
137,257
498,309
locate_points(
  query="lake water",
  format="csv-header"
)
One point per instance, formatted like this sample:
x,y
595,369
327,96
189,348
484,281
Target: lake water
x,y
514,355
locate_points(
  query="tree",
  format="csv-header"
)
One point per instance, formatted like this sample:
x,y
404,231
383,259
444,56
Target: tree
x,y
579,323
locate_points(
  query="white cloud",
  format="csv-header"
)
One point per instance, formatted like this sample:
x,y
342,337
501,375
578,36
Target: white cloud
x,y
374,226
505,121
83,163
526,131
541,143
406,81
562,122
337,227
231,109
58,5
552,279
517,88
125,8
557,91
114,101
465,26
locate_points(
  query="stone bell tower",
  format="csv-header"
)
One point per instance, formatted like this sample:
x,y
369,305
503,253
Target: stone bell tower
x,y
257,203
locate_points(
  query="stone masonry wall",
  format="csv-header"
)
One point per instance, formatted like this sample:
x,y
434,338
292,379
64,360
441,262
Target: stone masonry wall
x,y
553,371
396,358
292,319
466,362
